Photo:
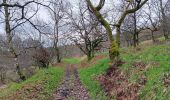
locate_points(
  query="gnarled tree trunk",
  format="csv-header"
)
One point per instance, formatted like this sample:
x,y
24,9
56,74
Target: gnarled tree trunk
x,y
9,41
113,45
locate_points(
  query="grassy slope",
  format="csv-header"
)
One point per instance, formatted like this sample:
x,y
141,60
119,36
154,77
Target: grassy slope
x,y
157,60
87,76
40,86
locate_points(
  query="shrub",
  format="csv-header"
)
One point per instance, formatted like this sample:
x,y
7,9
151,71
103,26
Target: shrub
x,y
41,57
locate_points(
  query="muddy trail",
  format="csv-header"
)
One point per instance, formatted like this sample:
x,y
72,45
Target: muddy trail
x,y
71,88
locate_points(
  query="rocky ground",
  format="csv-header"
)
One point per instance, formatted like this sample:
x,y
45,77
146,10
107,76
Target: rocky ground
x,y
71,88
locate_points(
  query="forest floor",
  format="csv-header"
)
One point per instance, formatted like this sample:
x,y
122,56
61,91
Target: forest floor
x,y
71,88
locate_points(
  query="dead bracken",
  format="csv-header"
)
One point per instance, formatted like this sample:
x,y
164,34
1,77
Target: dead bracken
x,y
116,84
166,79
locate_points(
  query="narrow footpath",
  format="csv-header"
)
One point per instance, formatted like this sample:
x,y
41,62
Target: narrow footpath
x,y
71,88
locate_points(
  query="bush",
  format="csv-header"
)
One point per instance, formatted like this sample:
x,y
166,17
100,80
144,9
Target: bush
x,y
41,57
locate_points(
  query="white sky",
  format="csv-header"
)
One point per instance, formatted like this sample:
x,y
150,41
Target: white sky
x,y
43,13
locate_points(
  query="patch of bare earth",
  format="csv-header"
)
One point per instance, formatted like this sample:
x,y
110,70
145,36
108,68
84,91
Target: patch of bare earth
x,y
116,83
71,88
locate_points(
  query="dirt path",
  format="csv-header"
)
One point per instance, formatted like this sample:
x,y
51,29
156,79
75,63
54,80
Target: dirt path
x,y
71,87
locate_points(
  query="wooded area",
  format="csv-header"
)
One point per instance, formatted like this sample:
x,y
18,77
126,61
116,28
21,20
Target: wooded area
x,y
38,34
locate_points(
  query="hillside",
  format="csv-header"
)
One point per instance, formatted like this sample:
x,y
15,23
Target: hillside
x,y
84,50
39,87
143,73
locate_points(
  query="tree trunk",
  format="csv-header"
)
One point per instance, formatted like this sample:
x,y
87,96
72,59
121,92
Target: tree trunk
x,y
9,41
118,32
113,46
135,30
57,52
90,55
58,55
134,39
56,32
164,20
152,34
19,72
137,38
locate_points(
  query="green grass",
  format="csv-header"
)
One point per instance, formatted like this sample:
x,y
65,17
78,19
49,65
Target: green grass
x,y
47,79
87,76
158,54
157,60
72,60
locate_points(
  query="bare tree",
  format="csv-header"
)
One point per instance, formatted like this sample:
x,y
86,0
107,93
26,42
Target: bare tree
x,y
9,40
114,44
163,18
137,4
132,26
152,18
14,19
58,16
89,31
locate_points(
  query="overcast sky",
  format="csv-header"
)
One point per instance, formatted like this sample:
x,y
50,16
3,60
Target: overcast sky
x,y
43,13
